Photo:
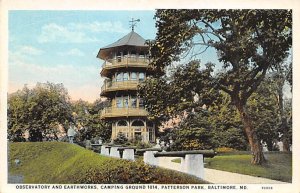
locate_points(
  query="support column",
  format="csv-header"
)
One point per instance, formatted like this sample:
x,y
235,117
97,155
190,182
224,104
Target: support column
x,y
114,152
128,154
150,159
193,164
104,150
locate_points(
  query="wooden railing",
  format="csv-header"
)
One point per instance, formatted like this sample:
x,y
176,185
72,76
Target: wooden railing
x,y
122,112
124,62
124,85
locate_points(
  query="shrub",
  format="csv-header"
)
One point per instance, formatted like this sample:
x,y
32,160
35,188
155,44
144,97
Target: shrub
x,y
225,149
121,139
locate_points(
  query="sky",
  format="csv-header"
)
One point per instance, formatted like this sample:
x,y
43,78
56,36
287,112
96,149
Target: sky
x,y
61,47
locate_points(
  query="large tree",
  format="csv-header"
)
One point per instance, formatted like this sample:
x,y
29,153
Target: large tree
x,y
248,42
39,111
87,118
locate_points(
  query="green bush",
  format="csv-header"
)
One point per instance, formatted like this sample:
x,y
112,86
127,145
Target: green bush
x,y
225,149
121,139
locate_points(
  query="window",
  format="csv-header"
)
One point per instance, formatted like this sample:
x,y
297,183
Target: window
x,y
142,55
141,102
119,102
119,77
119,54
133,102
122,123
150,124
138,123
133,53
141,76
133,76
126,101
151,135
125,76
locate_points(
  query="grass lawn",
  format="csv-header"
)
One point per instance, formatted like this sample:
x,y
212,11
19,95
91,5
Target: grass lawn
x,y
279,166
64,163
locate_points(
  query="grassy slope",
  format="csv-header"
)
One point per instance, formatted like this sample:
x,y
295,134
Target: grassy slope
x,y
54,162
279,166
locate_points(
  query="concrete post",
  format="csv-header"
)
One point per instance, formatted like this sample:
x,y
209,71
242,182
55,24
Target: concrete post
x,y
193,164
104,150
128,154
114,152
150,159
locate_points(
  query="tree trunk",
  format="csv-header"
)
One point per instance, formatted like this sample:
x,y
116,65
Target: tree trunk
x,y
284,125
285,138
256,147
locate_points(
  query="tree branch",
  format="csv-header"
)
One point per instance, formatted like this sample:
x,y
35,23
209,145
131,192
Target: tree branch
x,y
214,30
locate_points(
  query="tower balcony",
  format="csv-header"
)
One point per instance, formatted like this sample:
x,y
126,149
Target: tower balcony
x,y
116,86
112,112
124,62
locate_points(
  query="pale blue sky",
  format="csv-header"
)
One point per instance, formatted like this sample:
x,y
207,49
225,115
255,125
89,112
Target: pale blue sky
x,y
61,46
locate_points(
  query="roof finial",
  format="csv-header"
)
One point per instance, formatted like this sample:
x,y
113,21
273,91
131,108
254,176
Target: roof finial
x,y
133,23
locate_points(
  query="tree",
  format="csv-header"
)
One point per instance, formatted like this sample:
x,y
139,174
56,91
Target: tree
x,y
249,43
87,118
206,115
226,125
282,74
169,96
39,111
121,139
264,111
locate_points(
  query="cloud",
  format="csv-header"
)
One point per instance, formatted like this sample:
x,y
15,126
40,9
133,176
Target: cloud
x,y
23,53
56,33
82,81
28,50
72,52
108,26
77,32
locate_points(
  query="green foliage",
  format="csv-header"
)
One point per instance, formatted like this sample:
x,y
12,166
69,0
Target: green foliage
x,y
120,139
224,150
248,42
168,96
226,124
63,163
39,111
194,132
87,118
264,110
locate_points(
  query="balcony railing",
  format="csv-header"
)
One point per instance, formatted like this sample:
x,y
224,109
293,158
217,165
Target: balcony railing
x,y
125,61
122,112
123,85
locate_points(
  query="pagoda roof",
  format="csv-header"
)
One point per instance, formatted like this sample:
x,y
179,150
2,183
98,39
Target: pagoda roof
x,y
131,39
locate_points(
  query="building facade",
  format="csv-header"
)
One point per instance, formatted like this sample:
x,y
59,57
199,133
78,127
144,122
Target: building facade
x,y
125,66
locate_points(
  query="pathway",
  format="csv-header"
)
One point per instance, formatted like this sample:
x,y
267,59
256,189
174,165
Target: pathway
x,y
218,176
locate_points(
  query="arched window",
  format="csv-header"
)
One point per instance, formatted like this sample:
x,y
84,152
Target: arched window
x,y
138,123
141,103
133,102
125,76
133,76
122,123
119,77
141,76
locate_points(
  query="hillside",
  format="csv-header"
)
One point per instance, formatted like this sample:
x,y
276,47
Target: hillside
x,y
63,163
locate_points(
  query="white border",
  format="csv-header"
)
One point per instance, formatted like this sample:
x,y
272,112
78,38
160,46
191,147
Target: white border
x,y
6,5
